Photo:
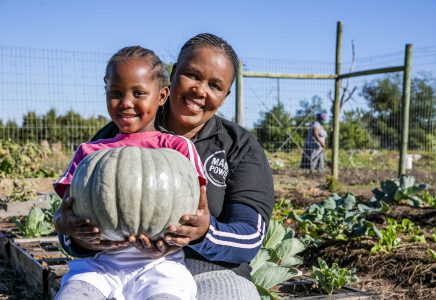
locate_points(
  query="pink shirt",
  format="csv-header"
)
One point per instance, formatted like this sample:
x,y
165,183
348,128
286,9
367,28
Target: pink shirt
x,y
154,140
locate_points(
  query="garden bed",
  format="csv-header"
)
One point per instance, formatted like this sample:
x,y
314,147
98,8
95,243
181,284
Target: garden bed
x,y
405,273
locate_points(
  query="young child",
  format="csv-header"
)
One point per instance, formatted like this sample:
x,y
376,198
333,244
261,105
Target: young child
x,y
135,89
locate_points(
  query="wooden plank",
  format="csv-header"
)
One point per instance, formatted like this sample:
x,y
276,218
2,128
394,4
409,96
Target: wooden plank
x,y
373,72
4,245
53,285
288,76
54,279
38,240
30,269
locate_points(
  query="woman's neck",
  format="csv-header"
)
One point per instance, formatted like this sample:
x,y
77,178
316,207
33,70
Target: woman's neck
x,y
170,124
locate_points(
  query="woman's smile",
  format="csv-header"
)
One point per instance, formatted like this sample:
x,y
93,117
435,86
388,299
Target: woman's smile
x,y
195,105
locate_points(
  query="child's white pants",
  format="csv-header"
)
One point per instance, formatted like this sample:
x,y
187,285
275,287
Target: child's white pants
x,y
157,277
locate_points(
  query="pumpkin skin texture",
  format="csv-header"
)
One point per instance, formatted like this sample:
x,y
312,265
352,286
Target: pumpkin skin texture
x,y
130,190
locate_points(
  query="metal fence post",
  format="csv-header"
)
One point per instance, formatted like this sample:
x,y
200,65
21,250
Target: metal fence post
x,y
239,114
405,108
337,104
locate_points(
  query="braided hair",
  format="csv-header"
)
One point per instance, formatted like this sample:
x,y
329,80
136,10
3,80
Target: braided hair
x,y
210,40
137,52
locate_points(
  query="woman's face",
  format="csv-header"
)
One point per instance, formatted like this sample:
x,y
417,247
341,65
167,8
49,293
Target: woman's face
x,y
199,86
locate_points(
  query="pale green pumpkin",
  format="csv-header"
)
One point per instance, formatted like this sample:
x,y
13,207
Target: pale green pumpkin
x,y
130,190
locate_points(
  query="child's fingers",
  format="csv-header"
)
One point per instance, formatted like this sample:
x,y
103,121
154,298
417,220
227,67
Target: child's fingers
x,y
82,221
67,204
161,246
145,241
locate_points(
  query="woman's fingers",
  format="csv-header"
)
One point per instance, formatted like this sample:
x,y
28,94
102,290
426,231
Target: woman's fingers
x,y
202,204
177,240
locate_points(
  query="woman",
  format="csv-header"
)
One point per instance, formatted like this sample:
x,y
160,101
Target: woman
x,y
225,234
314,145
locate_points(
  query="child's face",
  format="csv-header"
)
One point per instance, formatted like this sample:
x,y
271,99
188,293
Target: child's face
x,y
133,96
200,84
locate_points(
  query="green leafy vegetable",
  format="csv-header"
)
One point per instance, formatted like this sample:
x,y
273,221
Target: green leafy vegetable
x,y
403,190
275,261
34,224
389,239
337,218
331,278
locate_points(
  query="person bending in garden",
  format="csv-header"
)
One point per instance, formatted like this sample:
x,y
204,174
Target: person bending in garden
x,y
314,146
222,238
135,89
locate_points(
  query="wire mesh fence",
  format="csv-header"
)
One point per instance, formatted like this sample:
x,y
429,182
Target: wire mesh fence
x,y
58,97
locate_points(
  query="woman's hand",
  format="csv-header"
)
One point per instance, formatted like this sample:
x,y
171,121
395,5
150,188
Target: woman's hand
x,y
191,227
80,230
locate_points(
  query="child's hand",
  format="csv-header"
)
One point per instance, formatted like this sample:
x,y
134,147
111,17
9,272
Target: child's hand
x,y
191,227
66,222
81,231
153,249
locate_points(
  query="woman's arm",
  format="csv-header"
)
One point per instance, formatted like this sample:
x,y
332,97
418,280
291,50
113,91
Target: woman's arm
x,y
317,136
237,234
234,240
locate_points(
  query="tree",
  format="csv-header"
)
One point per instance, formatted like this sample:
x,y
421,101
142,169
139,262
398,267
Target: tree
x,y
384,119
274,128
353,134
70,129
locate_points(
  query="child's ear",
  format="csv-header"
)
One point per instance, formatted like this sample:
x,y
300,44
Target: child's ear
x,y
164,93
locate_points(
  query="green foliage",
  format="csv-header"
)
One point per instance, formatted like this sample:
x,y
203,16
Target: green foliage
x,y
275,261
21,191
353,134
401,191
407,226
384,99
275,128
22,160
54,203
429,199
333,184
389,239
70,129
336,218
281,210
331,278
34,224
432,253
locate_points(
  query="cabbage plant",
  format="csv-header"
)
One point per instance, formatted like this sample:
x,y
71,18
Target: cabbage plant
x,y
276,260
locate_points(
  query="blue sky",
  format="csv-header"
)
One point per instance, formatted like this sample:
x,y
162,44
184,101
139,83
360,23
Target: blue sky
x,y
268,29
282,29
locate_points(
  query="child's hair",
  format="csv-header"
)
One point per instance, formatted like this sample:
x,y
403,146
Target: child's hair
x,y
137,52
210,40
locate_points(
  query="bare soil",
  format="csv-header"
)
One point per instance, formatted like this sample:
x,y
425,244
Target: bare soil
x,y
407,273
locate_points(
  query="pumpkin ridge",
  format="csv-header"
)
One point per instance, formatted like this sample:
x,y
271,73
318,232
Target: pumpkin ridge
x,y
163,191
174,179
105,199
83,196
147,207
